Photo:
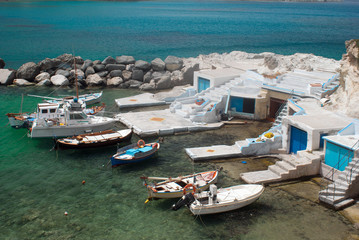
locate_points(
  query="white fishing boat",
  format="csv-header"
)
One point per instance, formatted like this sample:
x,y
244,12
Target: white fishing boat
x,y
69,119
221,200
176,187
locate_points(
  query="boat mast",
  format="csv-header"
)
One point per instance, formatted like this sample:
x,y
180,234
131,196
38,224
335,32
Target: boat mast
x,y
77,88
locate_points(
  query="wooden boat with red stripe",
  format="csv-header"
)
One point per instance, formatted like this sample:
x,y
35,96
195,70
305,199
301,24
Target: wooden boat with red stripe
x,y
177,187
98,139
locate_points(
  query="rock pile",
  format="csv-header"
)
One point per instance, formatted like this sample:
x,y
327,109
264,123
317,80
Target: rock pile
x,y
122,71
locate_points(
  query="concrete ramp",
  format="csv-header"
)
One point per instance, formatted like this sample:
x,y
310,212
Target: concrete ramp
x,y
142,100
213,152
161,123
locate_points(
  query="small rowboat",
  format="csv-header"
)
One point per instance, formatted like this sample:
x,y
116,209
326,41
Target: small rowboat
x,y
177,187
221,200
98,139
136,152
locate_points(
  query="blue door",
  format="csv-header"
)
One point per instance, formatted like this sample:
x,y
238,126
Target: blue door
x,y
236,103
298,140
321,141
203,84
337,156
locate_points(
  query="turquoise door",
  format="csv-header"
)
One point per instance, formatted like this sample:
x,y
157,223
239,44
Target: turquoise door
x,y
203,84
237,104
337,156
298,140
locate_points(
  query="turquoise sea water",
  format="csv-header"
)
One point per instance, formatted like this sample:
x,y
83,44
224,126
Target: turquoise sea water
x,y
32,31
39,185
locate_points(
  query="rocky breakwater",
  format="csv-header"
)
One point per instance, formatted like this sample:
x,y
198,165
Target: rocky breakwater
x,y
122,71
346,98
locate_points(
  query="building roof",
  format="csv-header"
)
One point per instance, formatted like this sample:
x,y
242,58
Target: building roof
x,y
348,141
222,72
320,121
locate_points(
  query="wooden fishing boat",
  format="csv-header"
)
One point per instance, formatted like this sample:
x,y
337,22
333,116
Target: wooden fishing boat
x,y
21,120
136,152
98,139
221,200
89,98
96,110
177,187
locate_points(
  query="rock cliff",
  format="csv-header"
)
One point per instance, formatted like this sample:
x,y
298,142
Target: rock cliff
x,y
346,98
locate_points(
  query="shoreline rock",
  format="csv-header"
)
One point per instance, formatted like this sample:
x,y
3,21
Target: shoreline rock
x,y
127,72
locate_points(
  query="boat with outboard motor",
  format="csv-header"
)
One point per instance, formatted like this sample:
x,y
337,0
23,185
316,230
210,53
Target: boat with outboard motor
x,y
177,187
69,119
221,200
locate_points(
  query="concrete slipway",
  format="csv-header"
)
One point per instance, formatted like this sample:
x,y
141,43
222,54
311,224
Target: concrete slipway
x,y
161,123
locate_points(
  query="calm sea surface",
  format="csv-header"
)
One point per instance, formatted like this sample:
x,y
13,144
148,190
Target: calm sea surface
x,y
39,185
32,31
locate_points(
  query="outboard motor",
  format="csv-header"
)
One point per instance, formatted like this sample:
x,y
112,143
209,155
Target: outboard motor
x,y
185,200
212,198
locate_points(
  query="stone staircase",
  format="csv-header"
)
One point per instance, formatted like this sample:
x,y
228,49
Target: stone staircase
x,y
291,167
340,193
327,88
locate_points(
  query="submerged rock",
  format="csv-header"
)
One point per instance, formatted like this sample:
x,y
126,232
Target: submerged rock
x,y
22,82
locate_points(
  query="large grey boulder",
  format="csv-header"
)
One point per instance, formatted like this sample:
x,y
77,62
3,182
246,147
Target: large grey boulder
x,y
79,75
158,64
137,74
94,80
63,72
147,77
188,72
177,78
97,62
42,76
49,63
99,67
173,63
102,74
22,82
87,63
7,76
125,59
271,62
89,71
163,82
2,63
114,82
148,86
59,80
111,67
109,60
142,65
70,59
116,73
45,82
133,83
130,67
28,71
126,75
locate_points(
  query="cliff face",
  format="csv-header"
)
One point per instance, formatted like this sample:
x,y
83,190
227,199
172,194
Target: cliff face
x,y
346,98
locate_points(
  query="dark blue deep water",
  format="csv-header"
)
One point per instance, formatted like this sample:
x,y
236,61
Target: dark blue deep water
x,y
32,31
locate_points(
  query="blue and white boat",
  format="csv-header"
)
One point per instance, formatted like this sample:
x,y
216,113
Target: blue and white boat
x,y
136,152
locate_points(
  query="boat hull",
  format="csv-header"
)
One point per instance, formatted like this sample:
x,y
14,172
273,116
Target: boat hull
x,y
63,145
243,200
115,161
64,131
179,193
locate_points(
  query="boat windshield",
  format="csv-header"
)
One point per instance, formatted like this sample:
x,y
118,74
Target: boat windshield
x,y
77,116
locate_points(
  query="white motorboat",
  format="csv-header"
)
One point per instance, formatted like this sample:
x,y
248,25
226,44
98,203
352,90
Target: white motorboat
x,y
221,200
54,120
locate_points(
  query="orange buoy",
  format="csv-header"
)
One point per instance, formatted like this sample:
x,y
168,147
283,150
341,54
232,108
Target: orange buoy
x,y
66,213
83,182
141,143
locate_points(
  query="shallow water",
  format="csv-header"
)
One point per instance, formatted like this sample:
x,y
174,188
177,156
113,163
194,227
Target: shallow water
x,y
39,185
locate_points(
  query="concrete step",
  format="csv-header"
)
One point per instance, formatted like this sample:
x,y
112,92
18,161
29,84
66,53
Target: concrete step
x,y
331,200
258,177
331,192
308,155
345,203
285,165
277,169
335,186
294,161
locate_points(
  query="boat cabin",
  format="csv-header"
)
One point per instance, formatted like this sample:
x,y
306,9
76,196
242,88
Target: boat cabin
x,y
49,111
